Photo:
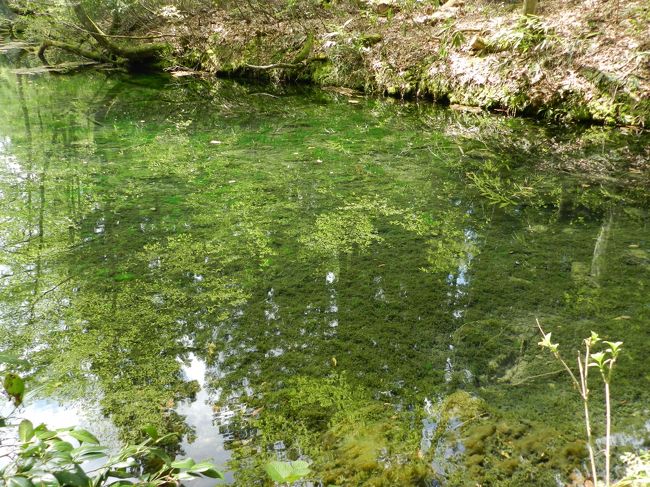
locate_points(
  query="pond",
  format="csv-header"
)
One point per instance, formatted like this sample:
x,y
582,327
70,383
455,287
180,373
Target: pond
x,y
282,272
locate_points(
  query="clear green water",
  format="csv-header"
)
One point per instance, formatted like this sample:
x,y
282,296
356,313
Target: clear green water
x,y
281,273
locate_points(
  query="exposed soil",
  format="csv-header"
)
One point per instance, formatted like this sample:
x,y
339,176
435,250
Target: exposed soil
x,y
576,61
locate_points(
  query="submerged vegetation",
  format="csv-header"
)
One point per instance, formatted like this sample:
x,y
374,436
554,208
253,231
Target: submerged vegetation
x,y
312,286
74,457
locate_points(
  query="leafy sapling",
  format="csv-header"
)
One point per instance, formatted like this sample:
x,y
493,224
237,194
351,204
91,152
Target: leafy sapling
x,y
580,384
604,361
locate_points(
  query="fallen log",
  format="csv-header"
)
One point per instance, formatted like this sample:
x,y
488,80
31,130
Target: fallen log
x,y
144,54
6,11
107,50
85,53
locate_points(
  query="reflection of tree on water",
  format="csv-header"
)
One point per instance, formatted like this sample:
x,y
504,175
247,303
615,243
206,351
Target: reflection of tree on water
x,y
318,293
82,321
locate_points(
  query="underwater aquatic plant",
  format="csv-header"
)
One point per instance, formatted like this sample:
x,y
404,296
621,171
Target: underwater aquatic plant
x,y
637,469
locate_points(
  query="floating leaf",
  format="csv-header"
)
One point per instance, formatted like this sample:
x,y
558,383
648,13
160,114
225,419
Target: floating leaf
x,y
287,471
278,471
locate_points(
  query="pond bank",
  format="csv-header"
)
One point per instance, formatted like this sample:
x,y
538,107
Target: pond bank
x,y
572,63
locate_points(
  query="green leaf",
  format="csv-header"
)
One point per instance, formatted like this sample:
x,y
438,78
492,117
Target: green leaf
x,y
151,431
593,339
160,439
88,452
17,481
83,436
25,430
30,450
213,473
185,476
125,464
278,471
184,464
200,467
206,469
599,358
14,387
41,478
94,455
118,474
62,457
27,465
161,454
128,451
300,468
62,446
75,478
287,471
44,434
615,347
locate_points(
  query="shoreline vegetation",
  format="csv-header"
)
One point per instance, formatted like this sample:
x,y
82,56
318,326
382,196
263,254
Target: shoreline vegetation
x,y
571,62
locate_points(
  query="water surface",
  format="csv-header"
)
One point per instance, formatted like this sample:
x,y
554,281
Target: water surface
x,y
289,273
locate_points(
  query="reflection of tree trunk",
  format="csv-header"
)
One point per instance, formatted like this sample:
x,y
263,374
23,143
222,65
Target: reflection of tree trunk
x,y
106,104
38,266
601,245
30,151
5,11
30,226
6,18
565,208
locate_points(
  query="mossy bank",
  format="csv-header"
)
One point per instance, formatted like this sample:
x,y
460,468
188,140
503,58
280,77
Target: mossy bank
x,y
571,63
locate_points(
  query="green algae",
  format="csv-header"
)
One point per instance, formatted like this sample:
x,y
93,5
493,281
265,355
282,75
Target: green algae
x,y
321,257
